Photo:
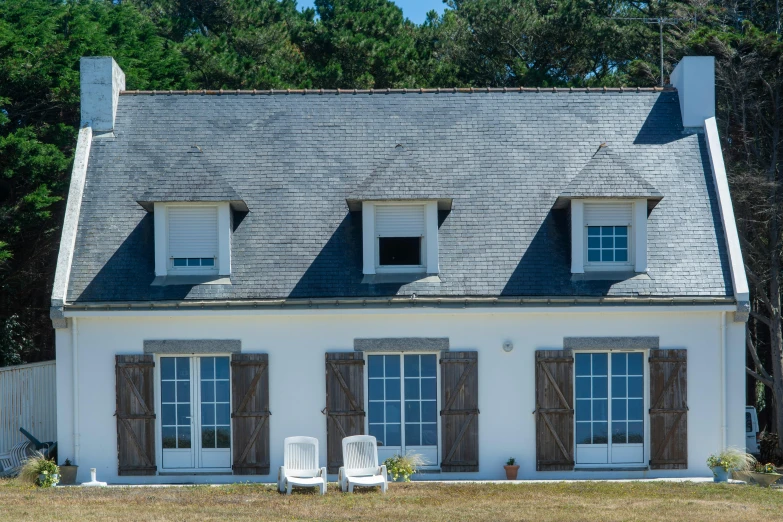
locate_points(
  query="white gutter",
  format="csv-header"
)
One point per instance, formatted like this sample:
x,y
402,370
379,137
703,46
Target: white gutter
x,y
739,279
70,224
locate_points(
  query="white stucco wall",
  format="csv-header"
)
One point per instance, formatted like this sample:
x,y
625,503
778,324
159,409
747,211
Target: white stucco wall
x,y
296,342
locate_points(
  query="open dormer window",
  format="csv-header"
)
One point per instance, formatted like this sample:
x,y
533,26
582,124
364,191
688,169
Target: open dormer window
x,y
400,232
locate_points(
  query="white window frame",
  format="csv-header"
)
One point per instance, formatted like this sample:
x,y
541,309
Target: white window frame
x,y
429,242
163,261
637,237
195,414
645,414
438,405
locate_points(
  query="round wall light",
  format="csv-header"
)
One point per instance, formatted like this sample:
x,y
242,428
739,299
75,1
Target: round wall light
x,y
508,346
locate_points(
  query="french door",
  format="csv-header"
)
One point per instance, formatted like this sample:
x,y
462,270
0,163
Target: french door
x,y
195,419
609,391
403,405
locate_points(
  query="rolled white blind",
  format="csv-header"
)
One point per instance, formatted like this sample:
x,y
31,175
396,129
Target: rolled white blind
x,y
399,220
618,214
193,231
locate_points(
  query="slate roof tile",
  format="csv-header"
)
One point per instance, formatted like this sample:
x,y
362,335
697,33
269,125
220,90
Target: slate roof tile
x,y
504,158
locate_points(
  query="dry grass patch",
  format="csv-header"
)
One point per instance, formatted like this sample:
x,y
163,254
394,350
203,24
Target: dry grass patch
x,y
604,501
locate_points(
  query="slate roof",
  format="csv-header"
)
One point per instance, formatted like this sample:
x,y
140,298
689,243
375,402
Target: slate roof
x,y
187,175
606,175
504,158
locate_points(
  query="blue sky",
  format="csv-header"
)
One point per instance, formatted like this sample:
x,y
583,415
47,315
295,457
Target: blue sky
x,y
412,9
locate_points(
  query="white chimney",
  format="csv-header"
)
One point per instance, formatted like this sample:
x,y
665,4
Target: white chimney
x,y
101,82
694,78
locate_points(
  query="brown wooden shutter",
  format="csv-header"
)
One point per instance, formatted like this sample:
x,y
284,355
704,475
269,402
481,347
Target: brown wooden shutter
x,y
344,403
668,409
250,396
554,410
459,415
135,414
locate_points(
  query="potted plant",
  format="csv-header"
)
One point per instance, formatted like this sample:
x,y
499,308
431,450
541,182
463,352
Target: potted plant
x,y
727,461
764,474
401,467
39,471
68,473
512,469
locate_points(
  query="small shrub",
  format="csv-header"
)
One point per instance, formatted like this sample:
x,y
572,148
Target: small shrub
x,y
511,461
402,467
39,471
732,459
768,447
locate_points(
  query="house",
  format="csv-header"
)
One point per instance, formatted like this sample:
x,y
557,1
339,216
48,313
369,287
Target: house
x,y
467,274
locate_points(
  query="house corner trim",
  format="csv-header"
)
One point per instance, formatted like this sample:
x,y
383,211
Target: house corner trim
x,y
739,279
70,224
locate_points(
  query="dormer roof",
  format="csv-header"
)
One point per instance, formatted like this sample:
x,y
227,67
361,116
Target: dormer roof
x,y
607,175
189,176
401,175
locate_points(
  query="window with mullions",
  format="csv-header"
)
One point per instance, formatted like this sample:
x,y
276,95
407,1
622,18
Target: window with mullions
x,y
402,402
180,262
175,402
607,244
215,403
609,393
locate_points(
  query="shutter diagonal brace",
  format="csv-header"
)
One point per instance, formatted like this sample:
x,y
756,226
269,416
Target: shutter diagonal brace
x,y
344,386
551,379
251,389
459,386
135,440
135,391
668,437
460,435
556,437
251,441
667,385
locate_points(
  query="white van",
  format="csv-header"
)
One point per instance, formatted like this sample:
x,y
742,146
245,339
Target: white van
x,y
751,430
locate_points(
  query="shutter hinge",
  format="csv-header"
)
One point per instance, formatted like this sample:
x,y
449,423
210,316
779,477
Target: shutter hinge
x,y
325,411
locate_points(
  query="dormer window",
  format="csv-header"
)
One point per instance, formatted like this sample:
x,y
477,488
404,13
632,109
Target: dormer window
x,y
609,202
400,232
607,228
400,237
192,238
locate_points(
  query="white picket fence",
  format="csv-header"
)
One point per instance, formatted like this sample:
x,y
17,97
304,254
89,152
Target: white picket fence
x,y
28,399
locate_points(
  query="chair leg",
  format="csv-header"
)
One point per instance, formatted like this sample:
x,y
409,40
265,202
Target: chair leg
x,y
323,488
350,487
288,487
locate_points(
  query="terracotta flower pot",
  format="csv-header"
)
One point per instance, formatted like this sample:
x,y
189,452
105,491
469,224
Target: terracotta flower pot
x,y
511,472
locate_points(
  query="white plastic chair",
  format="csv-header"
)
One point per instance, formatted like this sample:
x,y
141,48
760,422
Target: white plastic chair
x,y
360,464
300,465
11,462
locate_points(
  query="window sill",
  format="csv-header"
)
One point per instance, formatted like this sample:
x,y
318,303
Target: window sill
x,y
191,280
379,279
609,275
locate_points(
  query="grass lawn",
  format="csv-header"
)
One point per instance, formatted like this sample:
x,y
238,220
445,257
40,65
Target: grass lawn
x,y
602,501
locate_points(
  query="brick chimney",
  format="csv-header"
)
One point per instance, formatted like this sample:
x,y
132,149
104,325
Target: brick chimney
x,y
101,82
694,78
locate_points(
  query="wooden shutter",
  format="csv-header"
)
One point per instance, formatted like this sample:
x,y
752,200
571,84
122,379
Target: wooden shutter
x,y
459,415
250,398
399,220
135,414
344,403
668,409
193,231
608,213
554,410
